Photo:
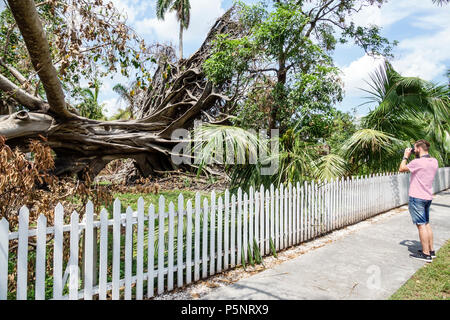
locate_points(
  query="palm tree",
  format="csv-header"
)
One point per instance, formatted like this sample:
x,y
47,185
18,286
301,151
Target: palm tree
x,y
183,11
128,95
408,109
90,108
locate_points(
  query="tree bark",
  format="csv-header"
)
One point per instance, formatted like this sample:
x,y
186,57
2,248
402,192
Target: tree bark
x,y
27,18
180,94
181,40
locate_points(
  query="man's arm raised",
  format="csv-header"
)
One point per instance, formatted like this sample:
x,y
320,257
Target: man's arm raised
x,y
403,166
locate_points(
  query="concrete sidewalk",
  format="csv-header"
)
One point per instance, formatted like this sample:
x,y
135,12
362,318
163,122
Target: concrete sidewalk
x,y
371,263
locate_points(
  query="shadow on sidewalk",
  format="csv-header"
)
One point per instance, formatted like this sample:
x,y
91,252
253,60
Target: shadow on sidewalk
x,y
412,245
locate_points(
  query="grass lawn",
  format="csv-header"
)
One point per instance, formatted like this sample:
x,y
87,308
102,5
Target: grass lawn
x,y
431,282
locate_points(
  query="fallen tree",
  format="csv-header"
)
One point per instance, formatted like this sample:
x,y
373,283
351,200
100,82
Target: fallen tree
x,y
179,94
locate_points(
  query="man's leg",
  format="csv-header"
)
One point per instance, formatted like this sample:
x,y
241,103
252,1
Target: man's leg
x,y
424,238
430,237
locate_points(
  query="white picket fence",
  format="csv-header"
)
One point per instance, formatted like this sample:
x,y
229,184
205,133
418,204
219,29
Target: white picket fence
x,y
197,242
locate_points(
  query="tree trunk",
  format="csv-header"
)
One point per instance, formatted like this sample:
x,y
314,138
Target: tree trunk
x,y
181,40
180,94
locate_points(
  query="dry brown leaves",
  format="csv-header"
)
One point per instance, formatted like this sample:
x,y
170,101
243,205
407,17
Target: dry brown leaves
x,y
28,180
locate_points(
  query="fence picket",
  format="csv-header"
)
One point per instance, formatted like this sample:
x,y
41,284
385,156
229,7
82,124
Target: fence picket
x,y
267,223
281,226
197,237
226,239
277,219
189,242
41,239
88,250
103,272
256,222
205,239
170,248
251,217
212,234
128,251
22,254
245,228
233,232
140,250
285,218
261,219
161,243
58,251
219,234
290,207
151,252
180,226
73,260
116,250
272,213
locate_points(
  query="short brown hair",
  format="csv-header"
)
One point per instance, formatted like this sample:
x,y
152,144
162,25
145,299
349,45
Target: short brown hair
x,y
423,143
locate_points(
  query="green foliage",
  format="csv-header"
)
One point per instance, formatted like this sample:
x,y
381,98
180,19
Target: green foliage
x,y
228,57
90,108
408,109
280,70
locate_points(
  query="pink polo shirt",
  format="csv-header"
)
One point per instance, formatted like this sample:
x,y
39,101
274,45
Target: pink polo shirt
x,y
422,171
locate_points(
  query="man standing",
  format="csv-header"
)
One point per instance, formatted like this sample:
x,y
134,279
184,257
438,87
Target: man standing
x,y
423,169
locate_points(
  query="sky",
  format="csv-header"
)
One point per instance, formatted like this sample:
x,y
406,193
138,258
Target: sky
x,y
422,29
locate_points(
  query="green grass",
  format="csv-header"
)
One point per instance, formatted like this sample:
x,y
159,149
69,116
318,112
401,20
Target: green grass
x,y
130,199
431,282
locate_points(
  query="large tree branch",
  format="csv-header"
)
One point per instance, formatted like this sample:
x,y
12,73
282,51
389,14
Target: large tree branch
x,y
31,102
27,18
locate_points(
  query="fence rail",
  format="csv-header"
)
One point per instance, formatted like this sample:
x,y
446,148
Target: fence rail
x,y
139,254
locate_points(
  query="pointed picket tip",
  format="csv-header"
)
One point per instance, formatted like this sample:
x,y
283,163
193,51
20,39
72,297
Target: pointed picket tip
x,y
42,219
151,207
59,207
74,215
251,189
233,197
180,197
205,201
129,211
116,202
189,203
272,187
24,212
103,212
4,223
171,206
140,202
261,188
89,205
239,191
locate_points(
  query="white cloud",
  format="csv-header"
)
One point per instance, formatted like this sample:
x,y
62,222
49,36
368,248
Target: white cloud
x,y
111,106
132,8
424,56
203,15
393,11
356,73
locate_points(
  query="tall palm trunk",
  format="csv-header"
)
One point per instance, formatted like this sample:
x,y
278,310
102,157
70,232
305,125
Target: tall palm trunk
x,y
181,40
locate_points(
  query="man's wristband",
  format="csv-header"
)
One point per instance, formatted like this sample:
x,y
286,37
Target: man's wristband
x,y
405,158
